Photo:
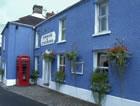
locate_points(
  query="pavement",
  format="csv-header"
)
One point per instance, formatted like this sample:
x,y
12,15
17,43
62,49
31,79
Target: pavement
x,y
11,99
42,95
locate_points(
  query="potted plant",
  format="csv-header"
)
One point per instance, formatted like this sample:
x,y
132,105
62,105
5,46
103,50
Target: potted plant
x,y
100,85
60,76
49,56
72,57
1,74
34,77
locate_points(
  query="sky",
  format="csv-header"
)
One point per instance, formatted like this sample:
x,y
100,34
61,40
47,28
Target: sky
x,y
13,9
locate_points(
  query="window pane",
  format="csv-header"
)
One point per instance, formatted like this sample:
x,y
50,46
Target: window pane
x,y
36,40
63,35
62,60
62,63
63,28
102,60
102,9
102,24
63,23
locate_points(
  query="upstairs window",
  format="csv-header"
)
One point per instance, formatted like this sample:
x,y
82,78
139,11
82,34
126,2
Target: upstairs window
x,y
36,40
62,30
101,19
61,62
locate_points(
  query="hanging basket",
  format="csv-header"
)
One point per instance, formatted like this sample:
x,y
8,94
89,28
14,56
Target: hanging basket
x,y
49,56
119,55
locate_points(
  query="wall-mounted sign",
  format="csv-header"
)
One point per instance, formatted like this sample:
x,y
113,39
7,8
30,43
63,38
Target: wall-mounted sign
x,y
48,39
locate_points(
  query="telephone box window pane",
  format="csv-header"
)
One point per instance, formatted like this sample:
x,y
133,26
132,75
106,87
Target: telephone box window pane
x,y
24,67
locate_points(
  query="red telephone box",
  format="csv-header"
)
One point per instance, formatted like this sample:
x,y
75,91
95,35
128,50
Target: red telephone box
x,y
23,70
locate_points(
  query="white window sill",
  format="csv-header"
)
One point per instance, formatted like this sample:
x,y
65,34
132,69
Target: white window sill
x,y
101,33
63,41
77,73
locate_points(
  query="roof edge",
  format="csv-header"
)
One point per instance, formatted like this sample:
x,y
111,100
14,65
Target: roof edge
x,y
16,23
66,9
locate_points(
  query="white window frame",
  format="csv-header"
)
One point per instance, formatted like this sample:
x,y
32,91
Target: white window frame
x,y
36,63
37,40
61,29
82,68
58,62
97,16
95,60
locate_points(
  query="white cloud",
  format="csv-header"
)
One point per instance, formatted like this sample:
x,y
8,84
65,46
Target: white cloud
x,y
13,9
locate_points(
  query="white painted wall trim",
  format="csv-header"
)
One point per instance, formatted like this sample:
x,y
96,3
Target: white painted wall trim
x,y
10,82
87,95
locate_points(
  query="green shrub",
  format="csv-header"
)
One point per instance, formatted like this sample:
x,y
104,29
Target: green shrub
x,y
100,84
35,76
72,56
60,76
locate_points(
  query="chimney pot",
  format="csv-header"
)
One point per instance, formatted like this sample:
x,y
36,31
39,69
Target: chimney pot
x,y
37,9
50,14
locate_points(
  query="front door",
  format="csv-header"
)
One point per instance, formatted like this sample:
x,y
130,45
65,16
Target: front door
x,y
46,75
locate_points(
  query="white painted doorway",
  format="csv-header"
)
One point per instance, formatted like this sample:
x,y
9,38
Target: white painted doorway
x,y
46,72
4,67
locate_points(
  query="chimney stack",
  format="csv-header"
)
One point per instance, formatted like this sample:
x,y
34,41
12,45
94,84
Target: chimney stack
x,y
37,9
49,14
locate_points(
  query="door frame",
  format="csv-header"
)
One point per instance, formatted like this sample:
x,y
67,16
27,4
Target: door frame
x,y
46,69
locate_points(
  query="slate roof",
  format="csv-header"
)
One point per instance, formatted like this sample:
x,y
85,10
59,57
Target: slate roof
x,y
30,20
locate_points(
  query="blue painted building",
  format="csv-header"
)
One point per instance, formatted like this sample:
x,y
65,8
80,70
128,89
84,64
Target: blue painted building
x,y
18,39
89,27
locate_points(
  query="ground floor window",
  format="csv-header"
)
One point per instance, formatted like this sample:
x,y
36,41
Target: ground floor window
x,y
61,62
100,61
36,62
77,68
